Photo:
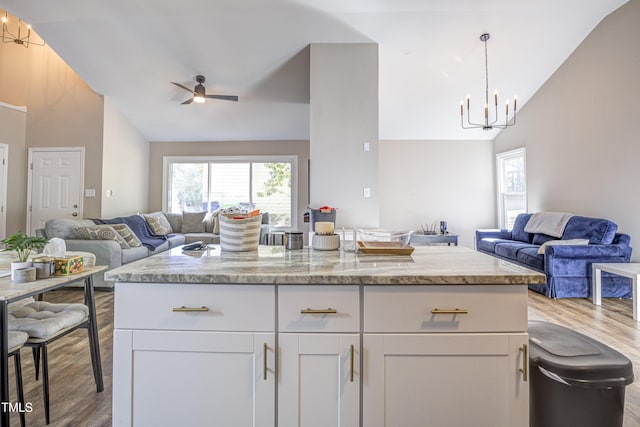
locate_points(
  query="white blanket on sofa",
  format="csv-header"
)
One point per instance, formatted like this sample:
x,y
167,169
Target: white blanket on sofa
x,y
549,223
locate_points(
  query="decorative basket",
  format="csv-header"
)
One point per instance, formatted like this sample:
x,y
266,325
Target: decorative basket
x,y
239,235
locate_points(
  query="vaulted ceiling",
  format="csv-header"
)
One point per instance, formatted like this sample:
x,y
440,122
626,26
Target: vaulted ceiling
x,y
430,57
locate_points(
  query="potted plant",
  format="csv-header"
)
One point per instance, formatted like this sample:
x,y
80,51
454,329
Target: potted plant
x,y
22,245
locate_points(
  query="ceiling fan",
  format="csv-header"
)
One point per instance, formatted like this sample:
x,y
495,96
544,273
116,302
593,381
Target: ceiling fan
x,y
199,92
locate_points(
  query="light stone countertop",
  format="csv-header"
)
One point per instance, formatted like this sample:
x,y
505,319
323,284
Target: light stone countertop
x,y
428,265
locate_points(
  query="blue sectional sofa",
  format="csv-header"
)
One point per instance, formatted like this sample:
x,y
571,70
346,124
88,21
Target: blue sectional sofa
x,y
567,267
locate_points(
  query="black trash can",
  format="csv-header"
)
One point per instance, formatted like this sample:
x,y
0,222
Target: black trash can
x,y
574,379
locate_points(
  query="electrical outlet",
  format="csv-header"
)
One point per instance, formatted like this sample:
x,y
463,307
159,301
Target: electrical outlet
x,y
366,146
366,192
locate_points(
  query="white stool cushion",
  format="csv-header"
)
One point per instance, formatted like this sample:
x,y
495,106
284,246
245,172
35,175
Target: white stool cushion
x,y
17,340
41,319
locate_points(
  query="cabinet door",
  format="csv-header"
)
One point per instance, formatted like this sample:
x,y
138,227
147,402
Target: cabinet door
x,y
171,378
453,380
319,381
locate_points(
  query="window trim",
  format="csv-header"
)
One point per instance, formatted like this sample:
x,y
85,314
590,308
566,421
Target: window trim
x,y
500,158
293,160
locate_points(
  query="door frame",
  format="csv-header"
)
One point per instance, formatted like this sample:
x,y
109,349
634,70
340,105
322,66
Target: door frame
x,y
33,150
3,191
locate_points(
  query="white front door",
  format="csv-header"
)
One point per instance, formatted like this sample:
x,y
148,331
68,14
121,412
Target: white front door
x,y
4,151
55,185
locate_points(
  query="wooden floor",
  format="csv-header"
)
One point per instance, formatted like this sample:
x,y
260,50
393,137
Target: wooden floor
x,y
75,403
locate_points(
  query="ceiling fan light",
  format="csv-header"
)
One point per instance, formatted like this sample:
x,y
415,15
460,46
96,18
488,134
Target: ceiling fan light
x,y
198,98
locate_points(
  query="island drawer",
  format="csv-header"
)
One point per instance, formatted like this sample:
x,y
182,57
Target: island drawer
x,y
447,308
195,307
318,308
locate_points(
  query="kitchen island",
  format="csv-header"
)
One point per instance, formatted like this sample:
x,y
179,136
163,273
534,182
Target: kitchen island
x,y
321,338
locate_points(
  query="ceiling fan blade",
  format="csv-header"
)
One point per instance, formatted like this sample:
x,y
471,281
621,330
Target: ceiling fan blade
x,y
183,87
224,97
188,101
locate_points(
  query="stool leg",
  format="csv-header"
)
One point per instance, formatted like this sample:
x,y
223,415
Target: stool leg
x,y
45,382
19,389
36,360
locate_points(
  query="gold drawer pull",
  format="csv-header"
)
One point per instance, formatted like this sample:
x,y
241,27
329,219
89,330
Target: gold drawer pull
x,y
264,361
525,358
320,311
190,309
352,361
454,311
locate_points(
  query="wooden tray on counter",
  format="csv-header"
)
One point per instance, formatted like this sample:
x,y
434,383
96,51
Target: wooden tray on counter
x,y
384,248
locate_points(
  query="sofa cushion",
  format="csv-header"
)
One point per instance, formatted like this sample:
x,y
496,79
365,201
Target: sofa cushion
x,y
128,235
163,247
158,223
540,239
100,232
201,237
518,233
562,242
488,244
510,249
175,221
175,240
530,257
63,228
134,254
193,222
599,231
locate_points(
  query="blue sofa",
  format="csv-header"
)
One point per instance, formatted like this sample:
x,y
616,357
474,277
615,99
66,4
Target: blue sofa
x,y
567,267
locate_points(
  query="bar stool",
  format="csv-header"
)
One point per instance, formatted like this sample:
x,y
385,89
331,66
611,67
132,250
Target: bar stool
x,y
16,342
45,322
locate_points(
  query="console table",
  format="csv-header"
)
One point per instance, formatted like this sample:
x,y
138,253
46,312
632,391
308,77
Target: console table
x,y
629,270
10,292
434,239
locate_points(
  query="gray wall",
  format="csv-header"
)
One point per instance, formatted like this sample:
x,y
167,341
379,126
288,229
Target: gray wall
x,y
580,128
62,111
423,182
125,177
13,126
344,115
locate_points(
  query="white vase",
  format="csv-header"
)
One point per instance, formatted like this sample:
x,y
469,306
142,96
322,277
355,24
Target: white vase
x,y
17,264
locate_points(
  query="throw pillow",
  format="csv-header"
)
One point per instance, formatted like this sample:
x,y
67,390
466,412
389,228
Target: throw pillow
x,y
128,235
101,232
562,242
215,218
158,223
209,222
193,222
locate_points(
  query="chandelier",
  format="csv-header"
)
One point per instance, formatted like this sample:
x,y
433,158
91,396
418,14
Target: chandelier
x,y
487,125
20,36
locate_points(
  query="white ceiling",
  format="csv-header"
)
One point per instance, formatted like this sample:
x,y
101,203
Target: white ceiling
x,y
430,57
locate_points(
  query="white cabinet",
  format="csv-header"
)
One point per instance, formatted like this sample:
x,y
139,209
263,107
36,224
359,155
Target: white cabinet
x,y
319,380
319,357
348,356
194,355
445,356
194,378
453,380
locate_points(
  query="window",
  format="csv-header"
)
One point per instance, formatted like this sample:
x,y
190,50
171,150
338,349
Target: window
x,y
512,186
196,184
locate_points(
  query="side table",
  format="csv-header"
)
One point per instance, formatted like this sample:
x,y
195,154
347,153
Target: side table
x,y
434,239
629,270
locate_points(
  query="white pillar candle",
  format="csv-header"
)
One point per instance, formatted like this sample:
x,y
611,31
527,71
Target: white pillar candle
x,y
323,227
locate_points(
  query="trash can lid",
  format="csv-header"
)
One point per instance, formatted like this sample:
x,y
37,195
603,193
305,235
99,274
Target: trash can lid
x,y
576,358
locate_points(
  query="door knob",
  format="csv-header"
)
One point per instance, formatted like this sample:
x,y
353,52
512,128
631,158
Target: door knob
x,y
74,214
